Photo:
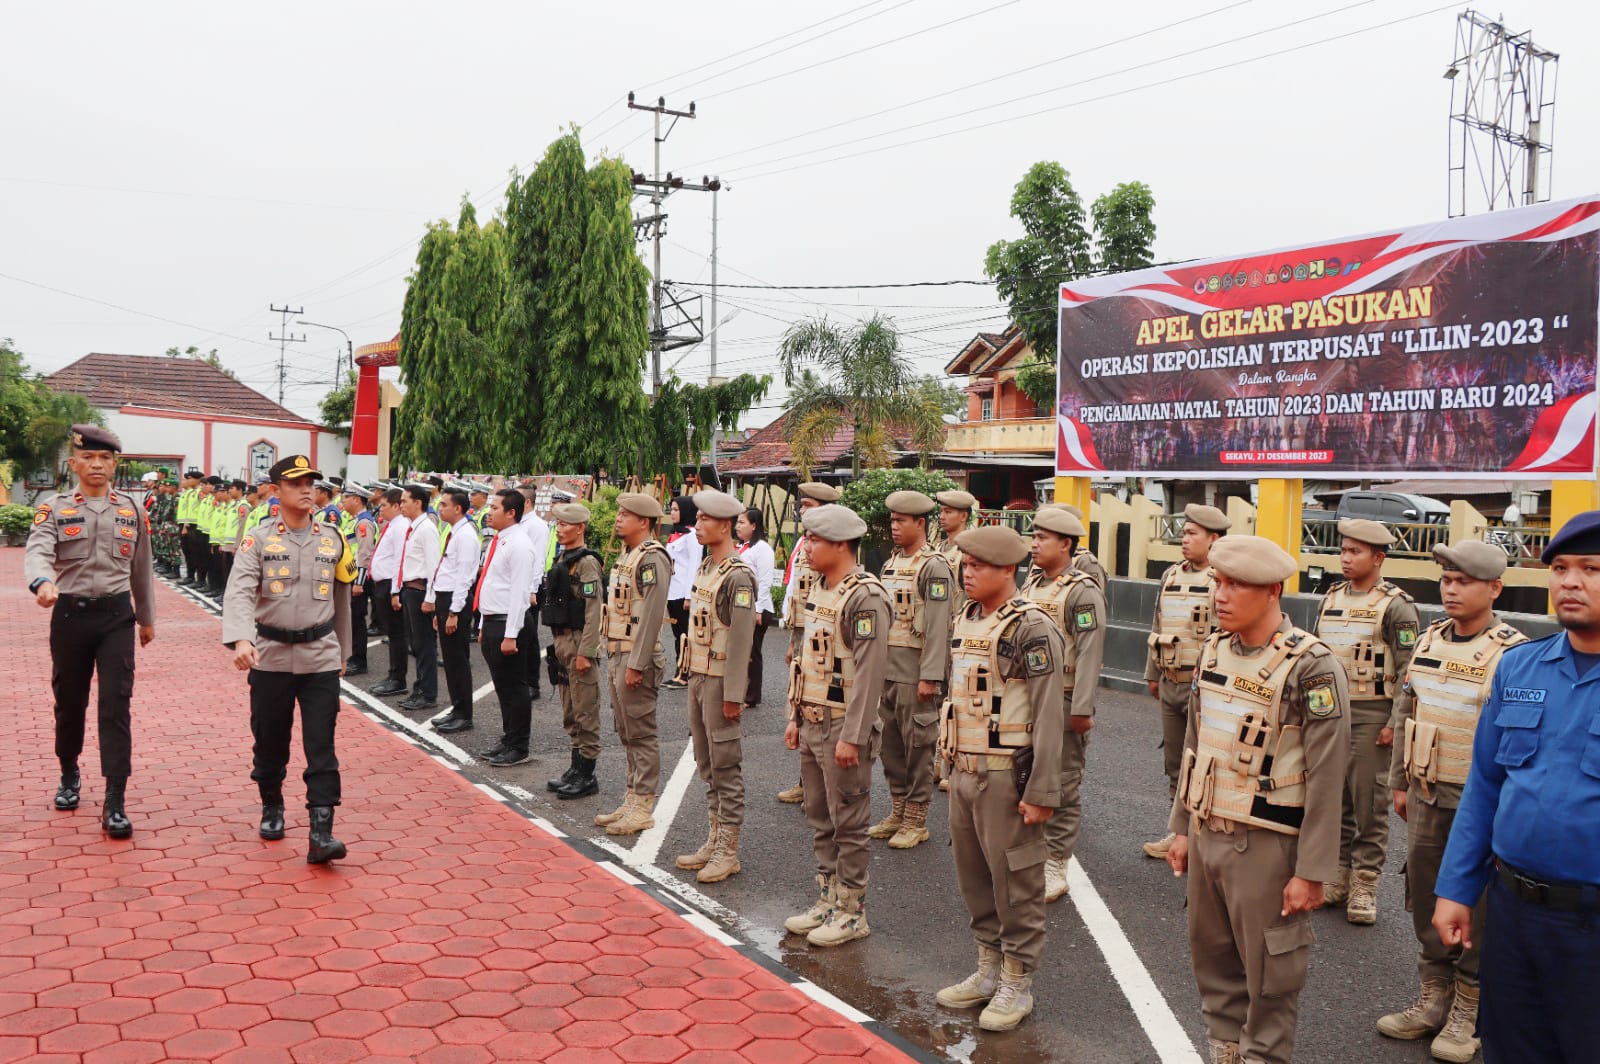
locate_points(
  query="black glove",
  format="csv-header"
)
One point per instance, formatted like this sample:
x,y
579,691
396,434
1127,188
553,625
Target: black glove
x,y
1022,769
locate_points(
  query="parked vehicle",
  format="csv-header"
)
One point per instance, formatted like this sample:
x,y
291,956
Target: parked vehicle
x,y
1390,507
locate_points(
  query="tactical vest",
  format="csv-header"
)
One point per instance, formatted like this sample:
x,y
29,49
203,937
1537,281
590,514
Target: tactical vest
x,y
801,581
1450,682
560,607
1051,596
708,636
908,610
958,591
186,505
1351,623
626,597
1246,766
1184,620
822,674
988,714
1084,560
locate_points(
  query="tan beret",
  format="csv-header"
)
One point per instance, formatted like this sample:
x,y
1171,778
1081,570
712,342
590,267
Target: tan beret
x,y
1067,506
995,544
1207,517
1361,530
815,489
1056,519
637,502
1252,560
909,502
718,504
956,500
572,513
834,523
1479,560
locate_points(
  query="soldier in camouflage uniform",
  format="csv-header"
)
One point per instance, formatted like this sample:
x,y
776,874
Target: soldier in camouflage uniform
x,y
164,527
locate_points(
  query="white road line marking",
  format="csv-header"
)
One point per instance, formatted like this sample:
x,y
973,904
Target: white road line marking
x,y
1166,1034
621,873
648,848
673,885
822,997
490,791
703,924
429,738
480,692
374,643
520,793
547,827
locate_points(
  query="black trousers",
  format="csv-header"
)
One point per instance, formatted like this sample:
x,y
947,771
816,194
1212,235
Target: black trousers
x,y
358,624
678,614
528,646
391,622
510,677
85,639
221,568
197,552
455,653
424,647
752,691
272,699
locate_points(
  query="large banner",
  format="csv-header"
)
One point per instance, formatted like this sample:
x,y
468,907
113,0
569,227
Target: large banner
x,y
1464,348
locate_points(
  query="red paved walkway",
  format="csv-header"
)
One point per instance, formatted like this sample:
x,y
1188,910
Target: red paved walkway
x,y
456,930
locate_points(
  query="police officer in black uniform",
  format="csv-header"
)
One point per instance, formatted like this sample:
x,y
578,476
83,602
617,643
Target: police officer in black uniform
x,y
88,550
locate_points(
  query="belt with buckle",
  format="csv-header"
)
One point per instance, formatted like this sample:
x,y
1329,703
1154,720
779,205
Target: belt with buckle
x,y
294,635
93,602
1566,897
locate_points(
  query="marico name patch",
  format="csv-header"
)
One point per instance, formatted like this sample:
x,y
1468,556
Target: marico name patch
x,y
1524,694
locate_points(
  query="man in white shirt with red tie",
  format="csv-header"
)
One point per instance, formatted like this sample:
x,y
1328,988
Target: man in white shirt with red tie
x,y
419,555
538,532
384,568
446,600
502,605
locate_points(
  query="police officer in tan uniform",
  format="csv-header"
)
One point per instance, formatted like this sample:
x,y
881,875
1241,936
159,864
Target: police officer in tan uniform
x,y
1083,559
88,561
1371,626
1183,620
1436,715
797,585
835,683
572,607
1001,732
1078,607
286,616
955,514
920,583
633,618
722,621
1256,818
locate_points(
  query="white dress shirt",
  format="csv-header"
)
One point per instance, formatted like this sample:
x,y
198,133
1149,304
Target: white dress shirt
x,y
459,565
420,552
507,578
759,556
386,559
686,553
538,533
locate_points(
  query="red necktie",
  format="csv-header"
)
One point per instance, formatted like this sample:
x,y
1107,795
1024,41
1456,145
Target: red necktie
x,y
478,594
403,545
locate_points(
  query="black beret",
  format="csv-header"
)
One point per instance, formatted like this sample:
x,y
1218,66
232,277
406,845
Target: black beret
x,y
293,467
95,438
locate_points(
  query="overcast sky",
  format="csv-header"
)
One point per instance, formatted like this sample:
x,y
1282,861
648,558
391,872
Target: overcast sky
x,y
197,162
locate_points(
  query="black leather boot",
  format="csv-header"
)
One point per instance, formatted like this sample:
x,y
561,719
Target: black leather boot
x,y
271,815
67,793
583,783
324,847
113,821
566,777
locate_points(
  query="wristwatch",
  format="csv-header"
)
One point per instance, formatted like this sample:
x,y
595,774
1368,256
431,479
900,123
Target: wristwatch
x,y
33,588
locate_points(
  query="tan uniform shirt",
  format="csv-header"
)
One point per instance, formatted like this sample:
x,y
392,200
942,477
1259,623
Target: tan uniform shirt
x,y
935,586
869,652
288,580
93,547
366,541
1085,562
1151,670
736,608
1083,625
587,585
651,580
1326,740
1399,631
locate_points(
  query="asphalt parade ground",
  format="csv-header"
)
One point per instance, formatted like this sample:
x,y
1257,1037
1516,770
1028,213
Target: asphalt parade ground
x,y
478,918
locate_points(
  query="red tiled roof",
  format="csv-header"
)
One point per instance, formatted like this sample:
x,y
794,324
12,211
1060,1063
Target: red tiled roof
x,y
768,449
164,383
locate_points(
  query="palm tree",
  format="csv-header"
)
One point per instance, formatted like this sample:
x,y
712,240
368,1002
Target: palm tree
x,y
856,376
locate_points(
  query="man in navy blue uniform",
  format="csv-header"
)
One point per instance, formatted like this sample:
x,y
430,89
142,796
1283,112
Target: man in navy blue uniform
x,y
1529,828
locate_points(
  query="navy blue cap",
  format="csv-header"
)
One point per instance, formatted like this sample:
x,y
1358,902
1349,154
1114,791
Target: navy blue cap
x,y
1581,535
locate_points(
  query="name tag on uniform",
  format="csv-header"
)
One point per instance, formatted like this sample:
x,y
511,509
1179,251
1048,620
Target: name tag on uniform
x,y
1364,615
975,644
1474,672
1261,691
1524,694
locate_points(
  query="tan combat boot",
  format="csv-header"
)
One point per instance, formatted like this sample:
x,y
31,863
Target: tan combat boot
x,y
1223,1052
690,861
1055,879
1458,1042
977,988
1012,1001
817,915
913,826
885,828
846,923
1336,891
1159,848
636,819
605,819
1362,908
725,859
1423,1016
794,795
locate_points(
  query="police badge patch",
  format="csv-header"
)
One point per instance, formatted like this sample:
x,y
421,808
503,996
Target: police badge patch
x,y
1084,618
866,625
588,589
1036,657
1406,634
41,515
647,576
938,590
1321,701
743,598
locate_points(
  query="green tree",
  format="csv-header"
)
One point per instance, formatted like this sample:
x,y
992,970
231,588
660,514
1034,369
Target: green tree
x,y
210,358
34,419
856,376
1124,228
338,407
683,417
866,494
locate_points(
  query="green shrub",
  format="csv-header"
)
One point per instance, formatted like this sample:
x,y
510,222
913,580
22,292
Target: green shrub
x,y
601,537
866,494
15,520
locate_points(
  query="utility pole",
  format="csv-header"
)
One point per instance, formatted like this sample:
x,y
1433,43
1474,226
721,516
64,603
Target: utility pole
x,y
712,379
284,339
684,310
